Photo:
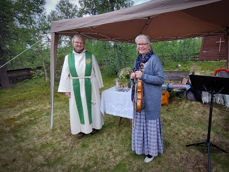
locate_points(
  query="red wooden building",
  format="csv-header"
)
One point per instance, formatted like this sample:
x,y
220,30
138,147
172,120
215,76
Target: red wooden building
x,y
214,48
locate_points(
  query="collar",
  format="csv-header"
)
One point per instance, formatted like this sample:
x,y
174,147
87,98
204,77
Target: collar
x,y
74,51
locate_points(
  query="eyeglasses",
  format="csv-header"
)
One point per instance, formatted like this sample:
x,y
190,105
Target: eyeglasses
x,y
81,43
142,44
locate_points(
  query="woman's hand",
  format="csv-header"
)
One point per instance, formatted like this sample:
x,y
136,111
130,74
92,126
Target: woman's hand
x,y
138,74
132,76
68,94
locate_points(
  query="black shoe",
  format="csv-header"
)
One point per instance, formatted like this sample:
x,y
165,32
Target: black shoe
x,y
80,135
93,131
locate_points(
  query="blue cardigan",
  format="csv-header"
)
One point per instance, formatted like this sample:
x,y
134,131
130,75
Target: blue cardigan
x,y
153,78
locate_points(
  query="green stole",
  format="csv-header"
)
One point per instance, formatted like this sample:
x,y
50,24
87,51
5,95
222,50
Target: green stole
x,y
76,84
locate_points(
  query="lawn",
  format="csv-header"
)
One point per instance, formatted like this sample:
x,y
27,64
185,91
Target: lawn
x,y
28,144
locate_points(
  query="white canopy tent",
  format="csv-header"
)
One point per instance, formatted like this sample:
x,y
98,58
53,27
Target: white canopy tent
x,y
160,20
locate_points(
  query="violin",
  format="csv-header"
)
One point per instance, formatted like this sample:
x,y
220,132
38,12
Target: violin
x,y
139,92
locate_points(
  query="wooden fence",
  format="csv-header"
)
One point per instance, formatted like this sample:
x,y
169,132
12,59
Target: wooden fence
x,y
18,75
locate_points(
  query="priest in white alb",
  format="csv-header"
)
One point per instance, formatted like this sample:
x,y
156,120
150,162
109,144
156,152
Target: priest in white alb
x,y
80,81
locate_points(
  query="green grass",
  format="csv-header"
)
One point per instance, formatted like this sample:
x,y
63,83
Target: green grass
x,y
199,67
28,144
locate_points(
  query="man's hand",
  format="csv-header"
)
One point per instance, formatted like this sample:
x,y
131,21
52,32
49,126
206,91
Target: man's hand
x,y
68,94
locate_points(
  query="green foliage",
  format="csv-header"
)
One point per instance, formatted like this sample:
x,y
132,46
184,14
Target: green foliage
x,y
208,68
17,26
6,24
30,25
38,74
93,7
108,81
199,67
177,50
211,65
18,19
25,25
112,56
178,65
66,10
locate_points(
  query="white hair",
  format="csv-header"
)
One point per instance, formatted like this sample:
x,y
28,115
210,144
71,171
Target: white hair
x,y
79,37
144,37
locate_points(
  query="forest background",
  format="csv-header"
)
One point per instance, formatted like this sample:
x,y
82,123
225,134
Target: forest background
x,y
25,23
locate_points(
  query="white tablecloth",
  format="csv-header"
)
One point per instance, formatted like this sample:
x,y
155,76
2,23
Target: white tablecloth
x,y
117,103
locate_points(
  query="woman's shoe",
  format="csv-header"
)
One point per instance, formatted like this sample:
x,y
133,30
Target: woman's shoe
x,y
147,159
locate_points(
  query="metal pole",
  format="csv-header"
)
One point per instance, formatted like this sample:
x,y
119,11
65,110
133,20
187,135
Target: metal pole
x,y
53,51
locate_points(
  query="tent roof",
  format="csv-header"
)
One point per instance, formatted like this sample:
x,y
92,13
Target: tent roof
x,y
161,20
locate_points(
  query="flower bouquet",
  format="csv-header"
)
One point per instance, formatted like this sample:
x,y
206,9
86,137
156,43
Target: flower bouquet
x,y
123,81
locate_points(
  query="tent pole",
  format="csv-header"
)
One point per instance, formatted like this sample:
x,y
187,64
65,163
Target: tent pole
x,y
227,50
54,43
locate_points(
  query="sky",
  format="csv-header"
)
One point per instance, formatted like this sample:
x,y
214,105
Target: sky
x,y
51,4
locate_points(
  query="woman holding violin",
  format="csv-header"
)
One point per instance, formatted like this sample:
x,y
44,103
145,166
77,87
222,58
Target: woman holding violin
x,y
148,78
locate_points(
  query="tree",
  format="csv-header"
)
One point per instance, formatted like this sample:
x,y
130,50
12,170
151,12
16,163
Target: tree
x,y
6,19
66,10
94,7
177,50
118,55
63,10
16,20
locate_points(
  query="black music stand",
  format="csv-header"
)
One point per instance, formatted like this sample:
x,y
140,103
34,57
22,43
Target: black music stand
x,y
213,85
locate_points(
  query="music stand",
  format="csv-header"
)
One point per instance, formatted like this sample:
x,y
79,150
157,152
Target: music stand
x,y
213,85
